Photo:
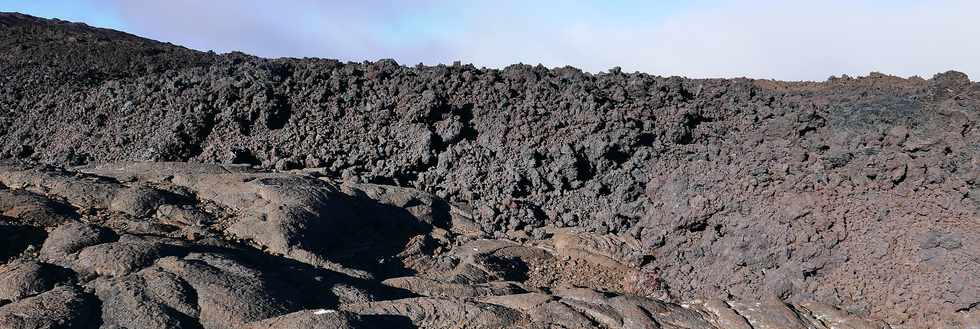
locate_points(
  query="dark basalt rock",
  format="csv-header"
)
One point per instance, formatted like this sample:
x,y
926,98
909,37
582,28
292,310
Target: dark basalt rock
x,y
860,193
399,257
65,307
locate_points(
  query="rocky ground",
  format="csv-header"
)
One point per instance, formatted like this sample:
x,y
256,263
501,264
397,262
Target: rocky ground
x,y
177,245
676,198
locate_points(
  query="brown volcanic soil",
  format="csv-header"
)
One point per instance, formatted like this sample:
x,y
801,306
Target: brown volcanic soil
x,y
862,193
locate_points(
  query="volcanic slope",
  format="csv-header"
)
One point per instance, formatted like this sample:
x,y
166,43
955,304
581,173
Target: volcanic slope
x,y
860,193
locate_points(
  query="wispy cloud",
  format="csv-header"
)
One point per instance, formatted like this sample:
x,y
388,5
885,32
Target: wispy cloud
x,y
701,38
812,40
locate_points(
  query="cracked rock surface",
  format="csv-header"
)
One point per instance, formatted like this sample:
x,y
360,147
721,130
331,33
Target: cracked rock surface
x,y
858,193
330,255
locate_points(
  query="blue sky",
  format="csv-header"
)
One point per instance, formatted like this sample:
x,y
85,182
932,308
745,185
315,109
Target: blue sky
x,y
789,40
80,11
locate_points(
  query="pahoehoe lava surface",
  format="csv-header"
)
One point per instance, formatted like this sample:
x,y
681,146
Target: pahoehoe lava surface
x,y
524,196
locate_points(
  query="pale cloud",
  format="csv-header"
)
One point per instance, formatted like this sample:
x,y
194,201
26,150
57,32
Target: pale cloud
x,y
811,40
794,40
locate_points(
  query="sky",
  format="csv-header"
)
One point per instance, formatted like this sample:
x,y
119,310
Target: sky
x,y
765,39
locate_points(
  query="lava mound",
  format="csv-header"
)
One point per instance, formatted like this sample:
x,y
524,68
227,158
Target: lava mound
x,y
177,245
